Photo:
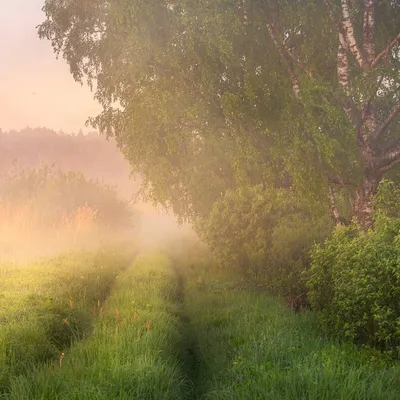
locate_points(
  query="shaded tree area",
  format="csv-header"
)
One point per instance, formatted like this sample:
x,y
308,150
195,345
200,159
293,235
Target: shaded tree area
x,y
264,122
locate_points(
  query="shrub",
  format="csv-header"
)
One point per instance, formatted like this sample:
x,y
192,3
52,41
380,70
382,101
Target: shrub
x,y
354,279
267,233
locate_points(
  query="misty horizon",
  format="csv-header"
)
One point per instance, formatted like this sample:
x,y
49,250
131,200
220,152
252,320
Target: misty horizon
x,y
37,89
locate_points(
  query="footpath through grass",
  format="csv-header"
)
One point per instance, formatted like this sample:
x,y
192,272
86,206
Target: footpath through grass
x,y
251,346
134,350
180,330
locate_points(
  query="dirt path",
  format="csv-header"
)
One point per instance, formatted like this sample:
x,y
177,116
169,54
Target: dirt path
x,y
190,356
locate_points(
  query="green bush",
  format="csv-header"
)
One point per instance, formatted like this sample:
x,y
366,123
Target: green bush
x,y
266,232
354,278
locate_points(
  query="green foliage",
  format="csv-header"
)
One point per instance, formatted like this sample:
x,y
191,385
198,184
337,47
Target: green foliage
x,y
200,100
354,280
163,334
199,88
267,232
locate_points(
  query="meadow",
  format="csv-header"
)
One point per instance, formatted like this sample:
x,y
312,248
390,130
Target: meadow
x,y
161,326
47,305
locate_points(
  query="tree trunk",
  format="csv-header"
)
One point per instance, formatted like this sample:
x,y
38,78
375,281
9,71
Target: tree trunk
x,y
363,200
365,116
334,208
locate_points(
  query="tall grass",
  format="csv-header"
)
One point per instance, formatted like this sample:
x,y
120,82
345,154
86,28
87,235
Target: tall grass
x,y
251,346
47,306
133,352
186,330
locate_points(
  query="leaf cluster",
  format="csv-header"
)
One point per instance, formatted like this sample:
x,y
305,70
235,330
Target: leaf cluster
x,y
354,278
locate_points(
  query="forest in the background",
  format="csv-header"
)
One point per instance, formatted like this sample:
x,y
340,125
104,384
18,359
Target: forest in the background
x,y
60,192
90,154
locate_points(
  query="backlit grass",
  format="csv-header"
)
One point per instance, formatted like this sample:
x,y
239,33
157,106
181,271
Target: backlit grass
x,y
134,350
252,346
187,330
46,306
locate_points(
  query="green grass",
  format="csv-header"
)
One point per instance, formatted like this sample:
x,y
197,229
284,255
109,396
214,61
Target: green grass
x,y
134,350
252,346
48,305
178,330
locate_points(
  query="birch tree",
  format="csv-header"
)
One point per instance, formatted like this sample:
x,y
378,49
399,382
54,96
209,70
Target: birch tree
x,y
369,80
206,96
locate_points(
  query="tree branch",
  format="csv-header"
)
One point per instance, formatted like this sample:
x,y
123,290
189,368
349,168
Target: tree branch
x,y
279,47
337,180
389,160
353,114
389,166
349,107
296,61
343,65
369,30
371,98
330,10
350,34
385,51
382,127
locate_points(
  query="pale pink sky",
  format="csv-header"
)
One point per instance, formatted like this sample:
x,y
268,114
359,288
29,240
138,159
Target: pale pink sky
x,y
27,66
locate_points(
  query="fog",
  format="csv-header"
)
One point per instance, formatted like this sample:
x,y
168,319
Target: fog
x,y
42,109
61,192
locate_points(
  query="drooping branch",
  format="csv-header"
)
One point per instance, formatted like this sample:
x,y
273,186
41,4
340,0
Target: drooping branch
x,y
385,51
389,160
350,34
369,30
384,125
284,57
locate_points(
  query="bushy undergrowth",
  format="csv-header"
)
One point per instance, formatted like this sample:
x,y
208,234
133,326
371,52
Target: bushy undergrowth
x,y
133,352
354,280
46,307
55,194
266,233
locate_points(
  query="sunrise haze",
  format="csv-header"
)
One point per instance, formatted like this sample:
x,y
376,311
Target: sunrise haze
x,y
37,89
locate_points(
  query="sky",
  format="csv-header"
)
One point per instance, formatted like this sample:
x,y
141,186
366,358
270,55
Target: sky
x,y
35,88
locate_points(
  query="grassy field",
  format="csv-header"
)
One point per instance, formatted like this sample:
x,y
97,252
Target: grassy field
x,y
163,329
251,346
48,305
134,349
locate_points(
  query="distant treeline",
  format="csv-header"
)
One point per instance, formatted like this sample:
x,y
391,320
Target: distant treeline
x,y
91,154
